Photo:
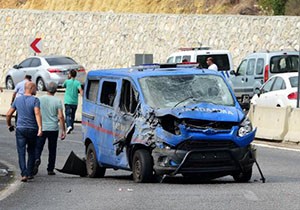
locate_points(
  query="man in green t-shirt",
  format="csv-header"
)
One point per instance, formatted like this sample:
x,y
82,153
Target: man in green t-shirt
x,y
71,99
52,113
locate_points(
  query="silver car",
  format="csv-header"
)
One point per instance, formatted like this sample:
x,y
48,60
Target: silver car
x,y
43,70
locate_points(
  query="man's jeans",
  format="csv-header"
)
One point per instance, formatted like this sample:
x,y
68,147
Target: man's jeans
x,y
52,145
26,137
70,111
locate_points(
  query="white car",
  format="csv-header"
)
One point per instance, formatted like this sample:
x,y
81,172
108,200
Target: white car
x,y
279,91
43,70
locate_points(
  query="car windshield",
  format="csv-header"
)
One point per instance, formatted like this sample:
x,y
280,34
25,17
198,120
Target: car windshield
x,y
181,90
60,61
294,81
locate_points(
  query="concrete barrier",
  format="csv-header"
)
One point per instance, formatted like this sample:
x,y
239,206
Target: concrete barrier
x,y
271,122
293,131
6,95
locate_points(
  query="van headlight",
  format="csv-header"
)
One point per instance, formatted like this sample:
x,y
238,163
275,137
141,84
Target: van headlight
x,y
245,127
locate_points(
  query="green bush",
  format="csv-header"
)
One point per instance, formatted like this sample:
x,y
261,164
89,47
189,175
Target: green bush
x,y
275,7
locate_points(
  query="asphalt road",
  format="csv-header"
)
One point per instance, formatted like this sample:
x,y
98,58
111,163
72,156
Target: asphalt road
x,y
117,190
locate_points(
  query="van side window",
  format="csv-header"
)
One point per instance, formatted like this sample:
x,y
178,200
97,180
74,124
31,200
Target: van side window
x,y
250,66
129,99
260,66
242,68
108,93
187,58
170,60
92,90
178,59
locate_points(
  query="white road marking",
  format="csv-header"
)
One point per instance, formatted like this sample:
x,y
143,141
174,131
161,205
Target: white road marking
x,y
277,147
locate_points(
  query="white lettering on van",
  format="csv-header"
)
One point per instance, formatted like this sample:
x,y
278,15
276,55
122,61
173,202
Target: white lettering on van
x,y
201,109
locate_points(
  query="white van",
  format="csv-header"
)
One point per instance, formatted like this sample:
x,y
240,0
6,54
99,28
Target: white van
x,y
256,68
222,58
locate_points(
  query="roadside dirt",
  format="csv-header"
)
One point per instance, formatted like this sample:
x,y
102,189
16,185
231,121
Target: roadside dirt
x,y
140,6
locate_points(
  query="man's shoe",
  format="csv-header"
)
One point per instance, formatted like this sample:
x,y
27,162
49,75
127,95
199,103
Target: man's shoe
x,y
51,173
30,177
24,179
69,129
36,167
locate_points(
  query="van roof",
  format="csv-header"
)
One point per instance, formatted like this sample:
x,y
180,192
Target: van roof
x,y
200,52
282,52
138,73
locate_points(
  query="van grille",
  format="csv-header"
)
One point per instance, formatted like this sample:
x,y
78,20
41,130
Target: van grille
x,y
206,144
205,124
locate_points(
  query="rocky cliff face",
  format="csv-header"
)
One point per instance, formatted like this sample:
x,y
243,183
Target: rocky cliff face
x,y
139,6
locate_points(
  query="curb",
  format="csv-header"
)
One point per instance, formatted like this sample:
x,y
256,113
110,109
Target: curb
x,y
8,183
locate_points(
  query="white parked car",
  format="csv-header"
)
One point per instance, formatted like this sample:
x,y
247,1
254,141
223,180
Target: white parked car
x,y
279,91
43,70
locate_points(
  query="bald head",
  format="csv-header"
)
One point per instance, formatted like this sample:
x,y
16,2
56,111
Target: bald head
x,y
30,88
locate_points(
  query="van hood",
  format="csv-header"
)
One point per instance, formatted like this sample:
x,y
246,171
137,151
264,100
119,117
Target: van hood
x,y
204,111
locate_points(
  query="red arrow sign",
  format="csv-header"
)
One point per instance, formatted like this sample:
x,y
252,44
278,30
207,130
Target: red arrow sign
x,y
33,45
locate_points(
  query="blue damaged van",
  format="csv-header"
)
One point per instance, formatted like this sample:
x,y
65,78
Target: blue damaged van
x,y
159,122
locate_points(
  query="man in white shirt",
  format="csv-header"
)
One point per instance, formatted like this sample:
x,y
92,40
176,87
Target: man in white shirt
x,y
20,88
211,64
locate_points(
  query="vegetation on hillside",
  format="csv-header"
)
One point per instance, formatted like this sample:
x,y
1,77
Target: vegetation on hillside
x,y
243,7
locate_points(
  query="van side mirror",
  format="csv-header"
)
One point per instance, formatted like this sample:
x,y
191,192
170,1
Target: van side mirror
x,y
232,72
16,67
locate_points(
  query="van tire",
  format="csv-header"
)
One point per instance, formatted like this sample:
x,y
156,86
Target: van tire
x,y
142,167
243,176
92,167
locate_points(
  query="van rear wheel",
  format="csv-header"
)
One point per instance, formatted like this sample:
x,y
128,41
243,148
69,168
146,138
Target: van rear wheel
x,y
92,166
142,167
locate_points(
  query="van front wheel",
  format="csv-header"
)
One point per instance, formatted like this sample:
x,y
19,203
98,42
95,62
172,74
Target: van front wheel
x,y
243,176
142,169
92,166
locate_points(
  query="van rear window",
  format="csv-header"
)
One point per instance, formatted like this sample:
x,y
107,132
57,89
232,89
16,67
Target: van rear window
x,y
284,63
221,60
92,90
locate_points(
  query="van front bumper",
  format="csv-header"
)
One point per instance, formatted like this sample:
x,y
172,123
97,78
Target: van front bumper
x,y
225,161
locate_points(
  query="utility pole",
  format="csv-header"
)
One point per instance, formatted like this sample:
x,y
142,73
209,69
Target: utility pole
x,y
298,87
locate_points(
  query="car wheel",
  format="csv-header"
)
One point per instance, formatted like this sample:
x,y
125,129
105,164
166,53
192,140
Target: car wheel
x,y
243,176
40,84
142,167
9,83
92,166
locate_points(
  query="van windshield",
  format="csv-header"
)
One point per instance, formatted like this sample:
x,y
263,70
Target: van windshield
x,y
284,63
221,60
181,90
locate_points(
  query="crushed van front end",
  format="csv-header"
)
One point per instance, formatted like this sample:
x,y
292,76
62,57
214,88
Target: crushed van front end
x,y
217,150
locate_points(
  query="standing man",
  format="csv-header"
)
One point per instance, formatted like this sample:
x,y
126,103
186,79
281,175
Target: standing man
x,y
52,112
29,126
211,64
71,99
20,88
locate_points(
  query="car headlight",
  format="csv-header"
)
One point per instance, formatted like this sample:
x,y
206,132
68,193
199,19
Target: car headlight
x,y
245,127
